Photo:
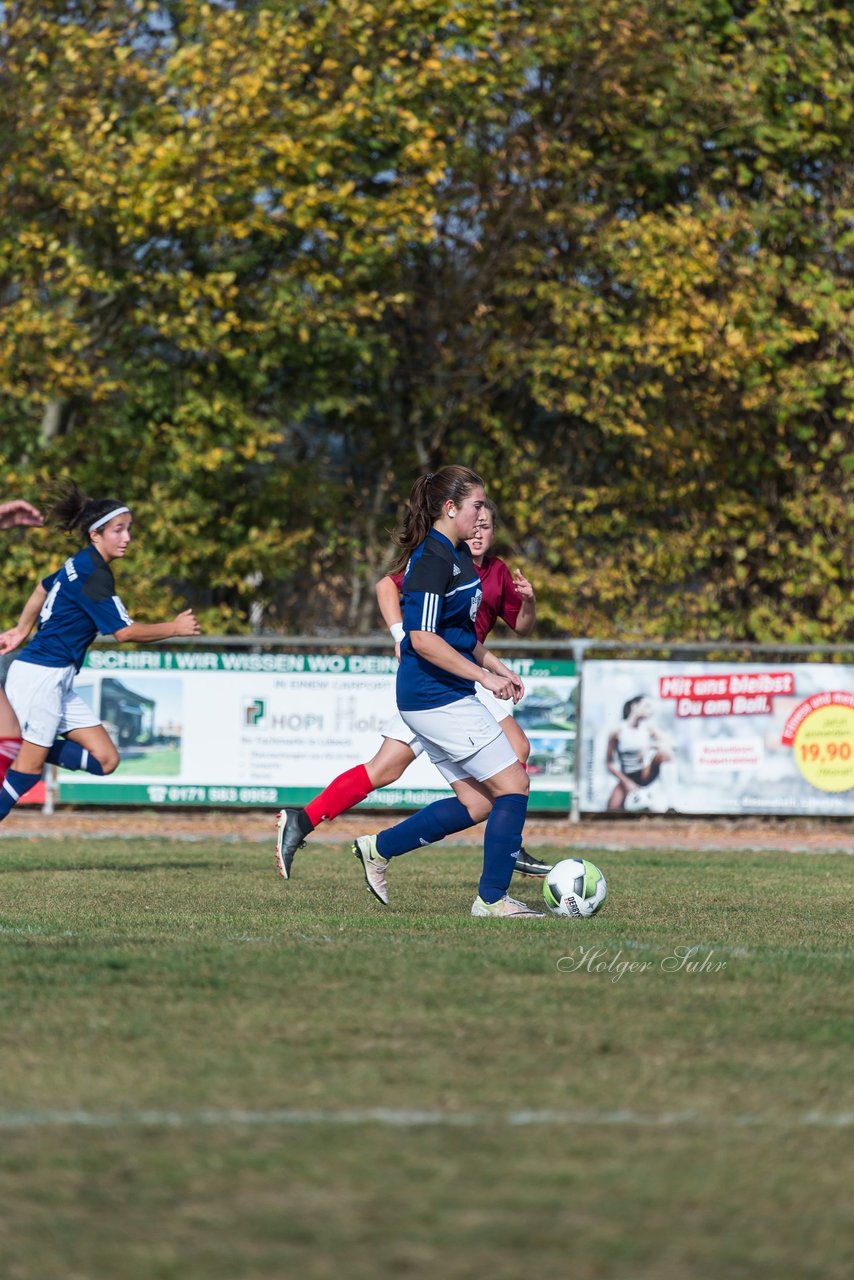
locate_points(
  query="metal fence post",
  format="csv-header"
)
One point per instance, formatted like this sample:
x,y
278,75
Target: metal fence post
x,y
49,790
578,647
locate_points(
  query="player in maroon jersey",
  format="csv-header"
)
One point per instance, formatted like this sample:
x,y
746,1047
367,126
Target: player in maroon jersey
x,y
14,513
506,595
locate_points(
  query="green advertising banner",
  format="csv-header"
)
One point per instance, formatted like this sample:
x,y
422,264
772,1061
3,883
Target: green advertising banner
x,y
267,729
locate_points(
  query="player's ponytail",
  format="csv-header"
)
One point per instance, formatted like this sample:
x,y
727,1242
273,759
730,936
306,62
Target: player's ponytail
x,y
426,500
74,512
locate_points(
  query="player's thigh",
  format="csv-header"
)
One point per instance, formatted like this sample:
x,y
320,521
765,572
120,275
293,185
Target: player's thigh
x,y
510,781
96,740
389,762
517,738
9,727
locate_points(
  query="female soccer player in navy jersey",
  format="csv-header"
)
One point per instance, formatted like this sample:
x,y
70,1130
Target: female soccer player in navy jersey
x,y
441,661
505,595
71,607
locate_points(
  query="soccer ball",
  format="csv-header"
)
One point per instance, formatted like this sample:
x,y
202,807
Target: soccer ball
x,y
574,888
639,801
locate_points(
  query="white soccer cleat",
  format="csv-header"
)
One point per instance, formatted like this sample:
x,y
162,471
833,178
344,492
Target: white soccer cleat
x,y
374,865
505,908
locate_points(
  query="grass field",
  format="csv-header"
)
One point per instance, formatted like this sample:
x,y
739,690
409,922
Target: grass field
x,y
209,1073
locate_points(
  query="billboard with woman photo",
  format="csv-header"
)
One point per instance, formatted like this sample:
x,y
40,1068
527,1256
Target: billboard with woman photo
x,y
717,738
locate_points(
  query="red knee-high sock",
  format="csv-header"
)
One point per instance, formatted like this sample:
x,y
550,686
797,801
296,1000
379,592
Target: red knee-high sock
x,y
9,748
342,793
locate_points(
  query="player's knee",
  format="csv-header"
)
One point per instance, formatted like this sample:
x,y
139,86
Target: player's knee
x,y
517,738
511,782
108,760
521,779
383,775
389,763
480,809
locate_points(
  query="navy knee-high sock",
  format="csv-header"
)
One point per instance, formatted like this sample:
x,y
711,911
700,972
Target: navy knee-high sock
x,y
441,818
502,840
70,755
15,785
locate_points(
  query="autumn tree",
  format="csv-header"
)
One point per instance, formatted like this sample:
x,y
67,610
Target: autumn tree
x,y
261,264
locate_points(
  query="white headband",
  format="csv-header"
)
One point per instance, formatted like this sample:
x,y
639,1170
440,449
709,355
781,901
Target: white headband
x,y
119,511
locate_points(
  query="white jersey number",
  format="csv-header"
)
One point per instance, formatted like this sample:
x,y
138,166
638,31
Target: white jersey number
x,y
50,600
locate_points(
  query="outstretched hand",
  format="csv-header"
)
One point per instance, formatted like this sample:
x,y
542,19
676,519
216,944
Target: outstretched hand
x,y
19,512
7,642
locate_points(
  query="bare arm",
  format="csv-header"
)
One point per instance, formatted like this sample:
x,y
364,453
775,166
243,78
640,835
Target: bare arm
x,y
184,625
388,599
16,635
434,649
527,615
18,511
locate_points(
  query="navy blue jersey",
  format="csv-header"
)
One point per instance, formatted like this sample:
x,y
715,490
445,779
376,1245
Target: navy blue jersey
x,y
81,602
441,593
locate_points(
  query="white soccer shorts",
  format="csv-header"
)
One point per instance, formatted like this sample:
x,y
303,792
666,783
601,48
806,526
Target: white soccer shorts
x,y
398,729
501,709
462,740
45,703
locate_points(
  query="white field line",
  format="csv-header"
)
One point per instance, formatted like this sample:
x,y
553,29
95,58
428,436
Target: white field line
x,y
405,1119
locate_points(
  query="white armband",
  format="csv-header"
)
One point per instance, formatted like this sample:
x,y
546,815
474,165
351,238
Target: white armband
x,y
397,632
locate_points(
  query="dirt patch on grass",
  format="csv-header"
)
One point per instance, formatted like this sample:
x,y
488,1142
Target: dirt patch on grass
x,y
259,827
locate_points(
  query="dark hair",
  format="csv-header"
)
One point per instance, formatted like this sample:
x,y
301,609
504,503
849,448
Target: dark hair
x,y
632,702
73,511
426,500
490,506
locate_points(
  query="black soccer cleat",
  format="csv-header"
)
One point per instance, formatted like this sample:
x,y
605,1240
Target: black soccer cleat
x,y
289,837
528,866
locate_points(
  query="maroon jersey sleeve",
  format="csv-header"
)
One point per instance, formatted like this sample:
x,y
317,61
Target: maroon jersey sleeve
x,y
500,597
